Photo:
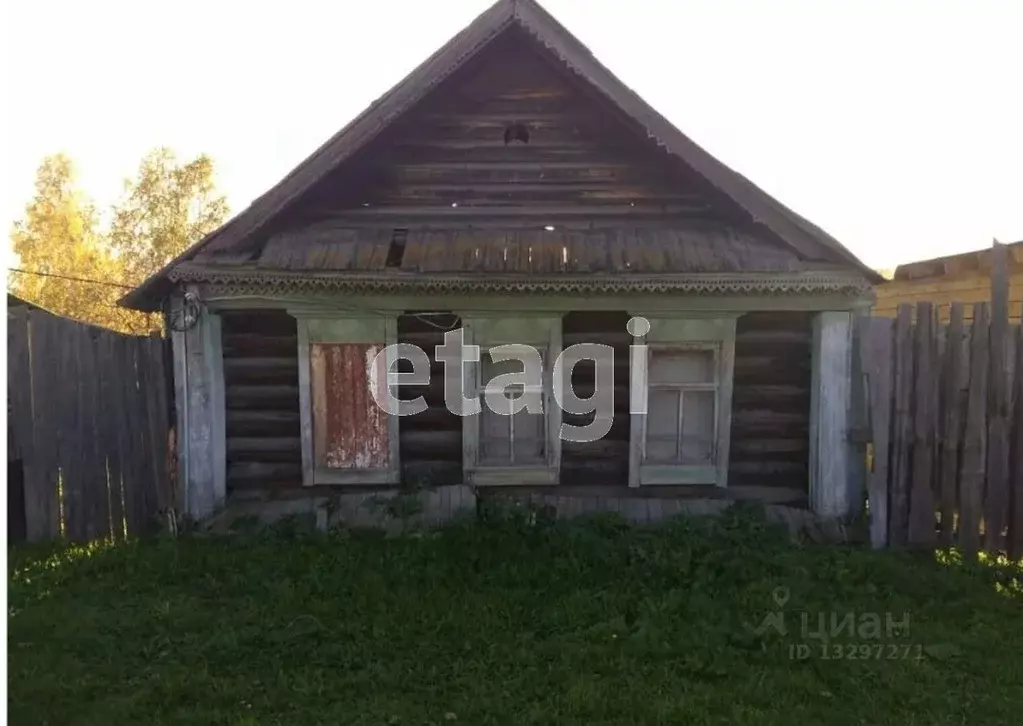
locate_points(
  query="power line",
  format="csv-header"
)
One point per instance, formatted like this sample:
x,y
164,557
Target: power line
x,y
69,277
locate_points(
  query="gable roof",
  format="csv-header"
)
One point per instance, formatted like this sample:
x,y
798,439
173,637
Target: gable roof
x,y
790,227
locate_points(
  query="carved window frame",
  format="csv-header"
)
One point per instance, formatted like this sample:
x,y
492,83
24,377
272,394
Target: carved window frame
x,y
678,334
489,331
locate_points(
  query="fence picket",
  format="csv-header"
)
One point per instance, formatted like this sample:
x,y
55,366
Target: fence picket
x,y
921,508
975,439
898,501
1015,543
997,491
74,416
951,423
876,357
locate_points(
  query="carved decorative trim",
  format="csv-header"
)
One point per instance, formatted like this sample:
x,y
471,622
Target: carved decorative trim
x,y
231,283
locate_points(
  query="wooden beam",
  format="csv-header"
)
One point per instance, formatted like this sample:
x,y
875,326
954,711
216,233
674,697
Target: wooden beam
x,y
199,394
831,485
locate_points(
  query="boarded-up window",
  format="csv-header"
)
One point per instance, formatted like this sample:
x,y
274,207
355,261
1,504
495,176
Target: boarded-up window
x,y
681,407
350,431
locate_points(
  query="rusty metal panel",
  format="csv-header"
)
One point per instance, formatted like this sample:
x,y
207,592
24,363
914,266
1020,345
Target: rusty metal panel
x,y
349,430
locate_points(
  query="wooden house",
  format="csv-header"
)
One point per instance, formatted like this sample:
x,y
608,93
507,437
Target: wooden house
x,y
964,278
515,189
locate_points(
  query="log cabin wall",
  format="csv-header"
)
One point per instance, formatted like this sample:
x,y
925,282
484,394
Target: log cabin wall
x,y
770,411
264,448
771,406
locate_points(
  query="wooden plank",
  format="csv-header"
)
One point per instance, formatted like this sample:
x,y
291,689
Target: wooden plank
x,y
921,509
997,494
1016,454
898,501
830,471
951,424
110,382
146,485
163,407
975,439
73,430
93,469
877,362
134,453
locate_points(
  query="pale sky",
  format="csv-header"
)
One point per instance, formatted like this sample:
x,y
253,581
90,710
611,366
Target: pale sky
x,y
896,125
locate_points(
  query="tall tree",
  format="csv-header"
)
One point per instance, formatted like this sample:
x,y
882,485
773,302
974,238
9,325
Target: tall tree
x,y
167,207
58,238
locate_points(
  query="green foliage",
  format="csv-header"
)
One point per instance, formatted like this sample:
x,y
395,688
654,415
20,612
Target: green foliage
x,y
516,620
169,206
166,208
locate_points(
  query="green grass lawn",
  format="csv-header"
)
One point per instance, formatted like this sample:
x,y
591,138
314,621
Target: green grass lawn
x,y
499,622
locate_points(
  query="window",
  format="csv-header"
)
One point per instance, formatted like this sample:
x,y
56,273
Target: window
x,y
687,384
501,448
515,439
682,407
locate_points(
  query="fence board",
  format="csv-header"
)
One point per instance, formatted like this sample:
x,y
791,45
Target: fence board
x,y
898,501
79,416
1015,545
975,439
876,357
107,431
996,494
921,519
951,423
42,506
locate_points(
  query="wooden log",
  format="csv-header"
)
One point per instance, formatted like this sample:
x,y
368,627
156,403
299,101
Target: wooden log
x,y
921,509
877,363
997,492
951,424
975,439
244,422
257,444
243,345
264,369
437,444
898,512
262,396
249,471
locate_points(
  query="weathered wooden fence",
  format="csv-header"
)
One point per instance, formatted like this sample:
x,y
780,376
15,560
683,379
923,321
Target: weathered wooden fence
x,y
89,424
945,410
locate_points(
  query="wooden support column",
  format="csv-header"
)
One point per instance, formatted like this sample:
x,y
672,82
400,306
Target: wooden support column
x,y
201,430
834,484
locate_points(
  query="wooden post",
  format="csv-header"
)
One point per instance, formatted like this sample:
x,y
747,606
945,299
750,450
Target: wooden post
x,y
831,470
199,399
997,494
